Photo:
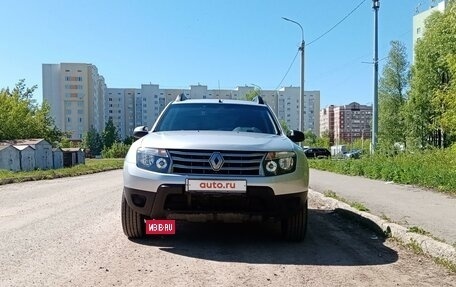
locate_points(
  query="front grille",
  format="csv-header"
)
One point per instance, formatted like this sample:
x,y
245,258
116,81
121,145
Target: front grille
x,y
197,162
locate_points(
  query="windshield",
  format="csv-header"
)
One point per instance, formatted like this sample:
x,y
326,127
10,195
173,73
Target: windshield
x,y
217,117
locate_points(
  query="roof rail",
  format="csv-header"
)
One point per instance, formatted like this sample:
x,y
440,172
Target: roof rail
x,y
259,100
181,97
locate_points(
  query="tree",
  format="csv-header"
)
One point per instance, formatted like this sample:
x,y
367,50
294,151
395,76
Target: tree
x,y
430,109
284,126
324,140
93,142
392,97
309,138
110,135
21,117
250,95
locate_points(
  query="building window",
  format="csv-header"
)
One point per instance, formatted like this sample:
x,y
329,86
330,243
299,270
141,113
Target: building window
x,y
80,112
73,87
77,79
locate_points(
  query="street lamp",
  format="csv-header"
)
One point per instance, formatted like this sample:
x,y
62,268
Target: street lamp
x,y
301,95
259,89
376,6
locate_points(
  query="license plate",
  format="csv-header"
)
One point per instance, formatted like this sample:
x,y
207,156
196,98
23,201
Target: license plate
x,y
238,186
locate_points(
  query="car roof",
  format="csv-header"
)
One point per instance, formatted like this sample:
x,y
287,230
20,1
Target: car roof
x,y
216,101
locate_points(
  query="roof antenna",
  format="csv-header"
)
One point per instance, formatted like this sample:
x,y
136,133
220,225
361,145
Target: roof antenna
x,y
220,100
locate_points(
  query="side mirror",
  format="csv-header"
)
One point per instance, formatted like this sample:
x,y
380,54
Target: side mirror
x,y
295,136
140,131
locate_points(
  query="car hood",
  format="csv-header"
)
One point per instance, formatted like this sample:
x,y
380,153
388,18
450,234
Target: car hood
x,y
217,140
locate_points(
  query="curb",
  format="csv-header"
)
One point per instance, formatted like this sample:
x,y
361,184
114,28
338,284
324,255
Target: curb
x,y
429,245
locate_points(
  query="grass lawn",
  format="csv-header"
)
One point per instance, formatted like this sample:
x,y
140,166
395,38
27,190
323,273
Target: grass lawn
x,y
91,166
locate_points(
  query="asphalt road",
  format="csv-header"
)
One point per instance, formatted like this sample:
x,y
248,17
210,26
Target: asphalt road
x,y
404,204
67,232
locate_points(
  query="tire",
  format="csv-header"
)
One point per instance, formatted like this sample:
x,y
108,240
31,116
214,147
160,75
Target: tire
x,y
132,222
294,227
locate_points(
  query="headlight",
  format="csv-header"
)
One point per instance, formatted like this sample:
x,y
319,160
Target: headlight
x,y
276,163
153,159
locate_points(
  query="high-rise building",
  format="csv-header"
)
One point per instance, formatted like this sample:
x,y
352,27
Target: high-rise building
x,y
327,123
346,123
419,21
80,99
150,100
288,109
75,93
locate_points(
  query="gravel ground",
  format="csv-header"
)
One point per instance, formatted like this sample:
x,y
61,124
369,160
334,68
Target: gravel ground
x,y
67,232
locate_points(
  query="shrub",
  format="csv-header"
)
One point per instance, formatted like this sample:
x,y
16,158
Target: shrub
x,y
117,150
434,168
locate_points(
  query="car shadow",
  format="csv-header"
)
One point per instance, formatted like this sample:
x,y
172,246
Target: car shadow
x,y
331,240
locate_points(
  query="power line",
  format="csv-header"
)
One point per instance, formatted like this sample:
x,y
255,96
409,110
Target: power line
x,y
318,38
289,68
337,24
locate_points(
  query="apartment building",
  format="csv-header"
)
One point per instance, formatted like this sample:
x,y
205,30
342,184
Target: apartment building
x,y
419,21
80,99
75,92
288,108
327,123
346,123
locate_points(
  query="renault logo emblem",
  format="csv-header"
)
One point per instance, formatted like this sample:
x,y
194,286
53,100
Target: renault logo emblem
x,y
216,161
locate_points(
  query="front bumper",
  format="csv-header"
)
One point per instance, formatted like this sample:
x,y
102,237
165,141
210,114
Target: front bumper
x,y
160,196
140,179
173,202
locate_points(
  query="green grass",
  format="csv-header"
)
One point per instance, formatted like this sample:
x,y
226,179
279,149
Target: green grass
x,y
435,169
91,166
415,247
419,230
446,263
357,205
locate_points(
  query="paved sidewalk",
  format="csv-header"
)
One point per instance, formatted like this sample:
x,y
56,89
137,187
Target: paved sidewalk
x,y
406,205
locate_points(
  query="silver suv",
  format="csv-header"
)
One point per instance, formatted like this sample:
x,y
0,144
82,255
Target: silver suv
x,y
216,160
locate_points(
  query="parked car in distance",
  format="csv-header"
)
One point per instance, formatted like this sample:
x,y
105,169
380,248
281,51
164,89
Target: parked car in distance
x,y
354,153
315,152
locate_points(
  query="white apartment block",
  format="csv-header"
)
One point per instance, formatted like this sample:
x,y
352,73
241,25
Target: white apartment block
x,y
129,108
75,93
79,99
419,21
288,108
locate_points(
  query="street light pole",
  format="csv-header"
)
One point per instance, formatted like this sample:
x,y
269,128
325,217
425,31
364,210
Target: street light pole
x,y
301,93
376,6
259,89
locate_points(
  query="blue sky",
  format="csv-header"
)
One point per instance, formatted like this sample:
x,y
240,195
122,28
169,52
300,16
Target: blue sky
x,y
216,43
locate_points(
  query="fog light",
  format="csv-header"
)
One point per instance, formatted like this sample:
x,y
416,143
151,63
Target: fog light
x,y
271,166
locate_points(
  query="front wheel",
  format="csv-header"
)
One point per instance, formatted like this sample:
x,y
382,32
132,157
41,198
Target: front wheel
x,y
294,227
132,222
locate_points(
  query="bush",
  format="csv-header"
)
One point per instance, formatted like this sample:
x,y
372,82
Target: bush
x,y
117,150
433,168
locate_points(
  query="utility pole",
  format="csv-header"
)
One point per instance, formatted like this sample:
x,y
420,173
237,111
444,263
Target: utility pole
x,y
376,6
301,93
